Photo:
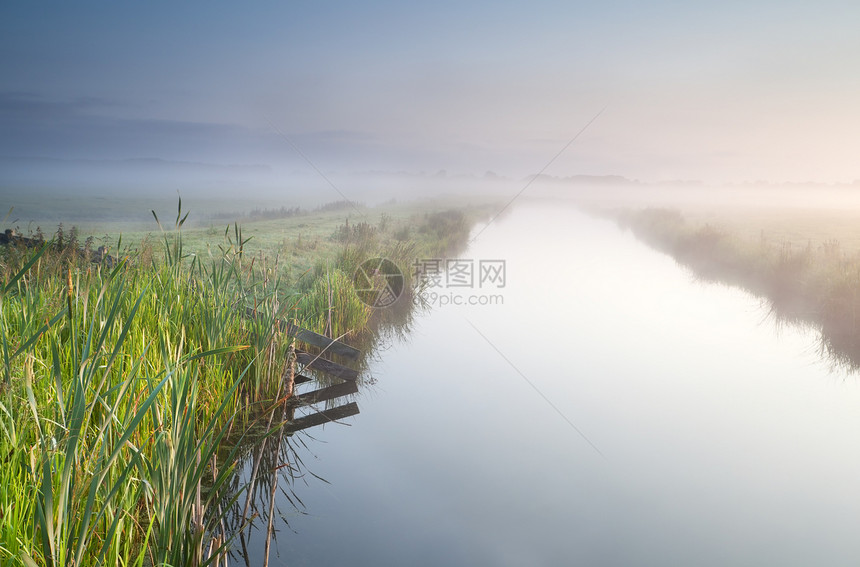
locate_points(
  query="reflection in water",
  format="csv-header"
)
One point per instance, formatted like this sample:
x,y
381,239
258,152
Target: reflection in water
x,y
271,471
275,466
272,468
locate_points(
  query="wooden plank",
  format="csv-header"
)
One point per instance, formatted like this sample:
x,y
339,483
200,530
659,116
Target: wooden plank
x,y
322,417
327,366
323,342
301,379
312,338
324,394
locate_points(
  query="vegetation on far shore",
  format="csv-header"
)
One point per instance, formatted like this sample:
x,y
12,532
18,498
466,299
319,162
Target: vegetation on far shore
x,y
816,284
120,383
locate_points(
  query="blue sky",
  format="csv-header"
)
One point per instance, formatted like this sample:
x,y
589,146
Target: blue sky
x,y
717,91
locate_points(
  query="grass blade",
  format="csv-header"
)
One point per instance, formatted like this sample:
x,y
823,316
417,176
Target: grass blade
x,y
8,287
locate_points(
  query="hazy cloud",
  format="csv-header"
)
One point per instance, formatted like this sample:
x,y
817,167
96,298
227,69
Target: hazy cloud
x,y
764,86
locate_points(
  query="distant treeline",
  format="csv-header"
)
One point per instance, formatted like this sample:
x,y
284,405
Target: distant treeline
x,y
260,214
341,205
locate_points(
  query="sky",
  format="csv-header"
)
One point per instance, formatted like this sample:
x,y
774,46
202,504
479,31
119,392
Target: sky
x,y
714,91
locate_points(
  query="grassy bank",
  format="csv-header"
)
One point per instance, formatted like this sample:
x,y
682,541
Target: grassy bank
x,y
120,384
811,281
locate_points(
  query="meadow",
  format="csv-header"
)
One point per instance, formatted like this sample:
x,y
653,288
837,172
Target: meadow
x,y
130,388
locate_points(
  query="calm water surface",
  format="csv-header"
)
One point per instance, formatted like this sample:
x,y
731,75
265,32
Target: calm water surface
x,y
718,439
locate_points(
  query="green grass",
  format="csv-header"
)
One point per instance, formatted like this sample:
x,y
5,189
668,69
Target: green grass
x,y
118,385
298,239
121,384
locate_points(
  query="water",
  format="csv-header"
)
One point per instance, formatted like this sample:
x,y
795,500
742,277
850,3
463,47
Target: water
x,y
637,417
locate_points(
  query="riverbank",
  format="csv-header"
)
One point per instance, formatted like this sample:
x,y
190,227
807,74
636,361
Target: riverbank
x,y
121,382
805,273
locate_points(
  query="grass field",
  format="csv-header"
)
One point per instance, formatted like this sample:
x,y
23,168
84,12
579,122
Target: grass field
x,y
299,238
799,228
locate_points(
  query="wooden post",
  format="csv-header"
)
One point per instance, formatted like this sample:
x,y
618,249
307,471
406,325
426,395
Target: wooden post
x,y
290,374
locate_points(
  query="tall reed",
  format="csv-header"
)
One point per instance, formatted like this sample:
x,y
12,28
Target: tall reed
x,y
118,387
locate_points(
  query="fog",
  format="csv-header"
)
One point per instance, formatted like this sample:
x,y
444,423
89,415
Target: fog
x,y
67,190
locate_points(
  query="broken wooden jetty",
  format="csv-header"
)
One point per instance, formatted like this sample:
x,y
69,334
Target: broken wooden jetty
x,y
306,336
322,417
318,363
347,387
